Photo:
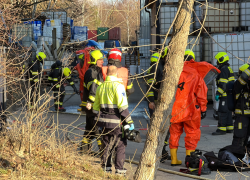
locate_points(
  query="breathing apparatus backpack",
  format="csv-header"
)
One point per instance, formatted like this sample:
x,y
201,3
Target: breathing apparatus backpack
x,y
196,164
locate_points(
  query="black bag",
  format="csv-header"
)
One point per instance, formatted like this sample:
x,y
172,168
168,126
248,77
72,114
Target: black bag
x,y
227,159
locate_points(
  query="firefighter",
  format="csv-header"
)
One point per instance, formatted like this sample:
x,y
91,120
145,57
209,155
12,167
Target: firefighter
x,y
34,75
153,93
225,122
188,109
242,112
57,77
92,79
114,118
115,58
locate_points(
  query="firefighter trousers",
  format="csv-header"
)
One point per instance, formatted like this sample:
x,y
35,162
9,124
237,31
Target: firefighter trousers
x,y
91,129
113,143
59,94
241,131
225,121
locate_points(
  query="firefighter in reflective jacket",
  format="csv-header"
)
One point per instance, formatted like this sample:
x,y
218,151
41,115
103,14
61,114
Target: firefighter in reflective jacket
x,y
115,58
92,79
34,75
57,77
225,122
111,108
188,109
153,93
242,107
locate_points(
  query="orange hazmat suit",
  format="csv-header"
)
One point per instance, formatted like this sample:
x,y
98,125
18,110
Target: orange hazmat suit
x,y
190,101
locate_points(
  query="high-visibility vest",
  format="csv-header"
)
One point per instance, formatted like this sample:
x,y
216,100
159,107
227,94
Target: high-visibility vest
x,y
122,74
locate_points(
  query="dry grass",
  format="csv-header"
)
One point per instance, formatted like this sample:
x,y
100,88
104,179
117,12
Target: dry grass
x,y
30,150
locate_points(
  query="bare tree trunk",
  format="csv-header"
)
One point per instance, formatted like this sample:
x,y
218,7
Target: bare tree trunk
x,y
157,131
83,9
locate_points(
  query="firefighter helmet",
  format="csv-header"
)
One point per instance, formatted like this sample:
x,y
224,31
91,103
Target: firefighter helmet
x,y
115,54
80,54
154,57
66,71
243,68
41,56
165,52
95,55
221,57
189,54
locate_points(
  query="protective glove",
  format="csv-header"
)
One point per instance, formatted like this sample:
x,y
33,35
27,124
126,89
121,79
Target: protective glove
x,y
217,97
132,127
203,114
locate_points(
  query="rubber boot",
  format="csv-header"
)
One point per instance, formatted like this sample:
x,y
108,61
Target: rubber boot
x,y
188,152
174,160
85,146
165,154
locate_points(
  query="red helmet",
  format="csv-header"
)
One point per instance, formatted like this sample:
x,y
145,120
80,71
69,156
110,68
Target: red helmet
x,y
115,54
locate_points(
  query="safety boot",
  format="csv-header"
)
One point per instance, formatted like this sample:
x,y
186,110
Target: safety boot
x,y
188,152
219,132
174,160
107,170
85,146
230,131
121,172
165,155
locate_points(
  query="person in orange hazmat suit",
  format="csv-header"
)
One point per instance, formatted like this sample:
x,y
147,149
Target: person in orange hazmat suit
x,y
82,67
190,105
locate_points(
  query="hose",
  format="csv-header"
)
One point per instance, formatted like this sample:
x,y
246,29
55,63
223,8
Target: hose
x,y
172,172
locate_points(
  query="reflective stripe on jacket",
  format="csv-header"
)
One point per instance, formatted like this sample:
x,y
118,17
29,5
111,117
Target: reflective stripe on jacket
x,y
223,78
242,94
92,79
153,94
111,101
34,71
58,79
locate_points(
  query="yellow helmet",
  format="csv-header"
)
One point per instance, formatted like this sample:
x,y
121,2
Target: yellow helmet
x,y
154,57
221,57
165,52
80,56
41,56
190,54
95,55
66,71
243,67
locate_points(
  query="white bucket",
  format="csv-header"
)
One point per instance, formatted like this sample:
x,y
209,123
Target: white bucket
x,y
132,69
